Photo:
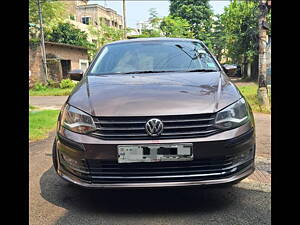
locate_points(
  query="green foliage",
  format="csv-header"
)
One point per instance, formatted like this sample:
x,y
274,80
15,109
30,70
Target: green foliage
x,y
51,92
53,13
34,43
105,35
53,88
240,29
137,36
31,107
68,34
67,83
153,28
176,27
39,87
53,84
199,15
154,19
148,32
218,43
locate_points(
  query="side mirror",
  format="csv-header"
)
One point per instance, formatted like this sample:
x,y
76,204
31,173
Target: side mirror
x,y
76,75
230,70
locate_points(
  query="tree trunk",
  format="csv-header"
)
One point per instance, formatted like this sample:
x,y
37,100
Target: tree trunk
x,y
262,92
254,68
245,67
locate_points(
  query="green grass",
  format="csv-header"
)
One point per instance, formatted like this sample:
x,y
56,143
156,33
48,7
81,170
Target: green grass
x,y
51,92
31,107
41,123
250,93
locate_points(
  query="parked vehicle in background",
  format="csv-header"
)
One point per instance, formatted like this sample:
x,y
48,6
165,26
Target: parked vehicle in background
x,y
154,112
231,69
238,71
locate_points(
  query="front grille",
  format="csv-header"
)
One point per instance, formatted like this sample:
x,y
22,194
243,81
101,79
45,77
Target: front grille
x,y
180,126
110,172
99,171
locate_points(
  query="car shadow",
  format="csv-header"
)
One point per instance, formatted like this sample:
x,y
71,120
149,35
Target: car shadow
x,y
154,200
100,203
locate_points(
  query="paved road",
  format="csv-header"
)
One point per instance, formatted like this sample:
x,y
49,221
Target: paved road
x,y
52,201
51,102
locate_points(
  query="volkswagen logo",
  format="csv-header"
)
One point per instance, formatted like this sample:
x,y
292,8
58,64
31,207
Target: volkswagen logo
x,y
154,127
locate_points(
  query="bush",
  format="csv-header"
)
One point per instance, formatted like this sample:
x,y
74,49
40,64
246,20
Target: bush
x,y
67,83
53,84
39,87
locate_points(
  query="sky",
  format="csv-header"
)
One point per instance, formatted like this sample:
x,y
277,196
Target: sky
x,y
137,11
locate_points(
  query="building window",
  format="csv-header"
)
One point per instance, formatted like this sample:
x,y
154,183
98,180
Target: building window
x,y
107,22
83,64
86,20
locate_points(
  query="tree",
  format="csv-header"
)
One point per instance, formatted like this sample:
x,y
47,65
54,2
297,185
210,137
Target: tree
x,y
68,34
172,26
152,29
218,44
104,34
240,24
199,15
53,13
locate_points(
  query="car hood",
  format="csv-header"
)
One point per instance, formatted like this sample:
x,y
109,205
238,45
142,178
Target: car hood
x,y
154,94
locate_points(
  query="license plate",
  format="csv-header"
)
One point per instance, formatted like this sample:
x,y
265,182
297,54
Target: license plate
x,y
155,153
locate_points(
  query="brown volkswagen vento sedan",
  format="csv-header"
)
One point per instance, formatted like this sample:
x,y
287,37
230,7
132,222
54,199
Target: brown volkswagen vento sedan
x,y
154,112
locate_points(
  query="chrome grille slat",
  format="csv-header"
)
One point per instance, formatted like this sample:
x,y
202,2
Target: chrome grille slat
x,y
185,133
191,120
121,135
120,128
186,127
175,126
120,122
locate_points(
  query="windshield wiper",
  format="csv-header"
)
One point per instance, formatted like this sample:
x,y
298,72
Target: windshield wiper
x,y
201,70
149,71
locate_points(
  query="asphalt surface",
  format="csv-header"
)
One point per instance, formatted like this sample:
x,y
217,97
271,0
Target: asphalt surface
x,y
53,201
48,102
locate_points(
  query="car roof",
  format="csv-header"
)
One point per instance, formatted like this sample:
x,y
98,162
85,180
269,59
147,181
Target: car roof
x,y
152,39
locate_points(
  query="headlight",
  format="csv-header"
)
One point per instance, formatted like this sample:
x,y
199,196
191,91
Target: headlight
x,y
75,120
233,116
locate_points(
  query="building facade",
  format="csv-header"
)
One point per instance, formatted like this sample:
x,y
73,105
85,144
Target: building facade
x,y
96,15
93,14
61,58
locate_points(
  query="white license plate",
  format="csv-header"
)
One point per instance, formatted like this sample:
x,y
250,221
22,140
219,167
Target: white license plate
x,y
155,153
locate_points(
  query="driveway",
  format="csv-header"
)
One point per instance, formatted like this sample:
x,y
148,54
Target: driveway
x,y
53,201
47,102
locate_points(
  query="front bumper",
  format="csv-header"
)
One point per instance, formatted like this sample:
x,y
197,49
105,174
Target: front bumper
x,y
241,175
215,162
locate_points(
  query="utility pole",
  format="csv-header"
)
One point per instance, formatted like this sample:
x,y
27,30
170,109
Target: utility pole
x,y
42,41
262,91
124,19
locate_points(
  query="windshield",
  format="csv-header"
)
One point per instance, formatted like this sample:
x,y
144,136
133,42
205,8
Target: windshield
x,y
159,56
